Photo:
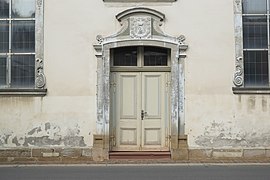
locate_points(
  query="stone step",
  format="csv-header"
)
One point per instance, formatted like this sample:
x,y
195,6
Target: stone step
x,y
140,155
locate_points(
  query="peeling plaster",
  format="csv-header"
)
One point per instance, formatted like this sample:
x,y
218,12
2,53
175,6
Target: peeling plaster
x,y
219,135
43,135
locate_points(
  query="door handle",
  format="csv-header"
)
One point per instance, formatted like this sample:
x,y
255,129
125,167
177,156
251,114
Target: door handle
x,y
143,114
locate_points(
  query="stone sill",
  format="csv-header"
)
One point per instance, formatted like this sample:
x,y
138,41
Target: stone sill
x,y
130,1
244,90
23,92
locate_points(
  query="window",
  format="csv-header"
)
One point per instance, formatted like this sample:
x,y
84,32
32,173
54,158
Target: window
x,y
18,34
255,27
142,57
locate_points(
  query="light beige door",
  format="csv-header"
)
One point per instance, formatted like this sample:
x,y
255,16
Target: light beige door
x,y
140,111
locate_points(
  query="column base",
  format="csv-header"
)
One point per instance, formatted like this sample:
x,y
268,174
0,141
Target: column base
x,y
99,152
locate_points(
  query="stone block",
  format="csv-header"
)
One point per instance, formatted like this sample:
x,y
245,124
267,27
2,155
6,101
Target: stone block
x,y
87,152
100,154
227,153
15,153
50,154
98,141
71,152
267,153
197,154
40,152
179,154
254,153
182,142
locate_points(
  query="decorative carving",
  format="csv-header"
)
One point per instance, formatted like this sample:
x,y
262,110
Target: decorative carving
x,y
238,75
100,39
140,27
237,2
39,3
181,39
40,77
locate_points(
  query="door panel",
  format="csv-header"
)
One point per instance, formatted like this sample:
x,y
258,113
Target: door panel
x,y
153,98
127,114
139,104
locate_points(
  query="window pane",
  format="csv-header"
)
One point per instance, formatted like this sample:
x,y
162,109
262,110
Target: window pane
x,y
254,6
256,68
23,36
4,36
23,8
126,56
4,6
154,56
22,71
3,67
255,32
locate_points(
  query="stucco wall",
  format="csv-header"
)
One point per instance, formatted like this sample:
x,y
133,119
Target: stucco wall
x,y
66,116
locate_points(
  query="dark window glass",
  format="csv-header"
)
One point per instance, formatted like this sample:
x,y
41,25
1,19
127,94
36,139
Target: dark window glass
x,y
23,36
125,56
4,8
3,67
255,32
254,6
23,8
23,71
256,68
155,56
4,36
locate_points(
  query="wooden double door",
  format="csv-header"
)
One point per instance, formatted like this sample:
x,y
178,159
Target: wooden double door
x,y
139,111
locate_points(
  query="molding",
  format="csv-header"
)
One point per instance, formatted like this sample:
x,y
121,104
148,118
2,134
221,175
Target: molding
x,y
255,90
23,92
131,12
40,80
238,78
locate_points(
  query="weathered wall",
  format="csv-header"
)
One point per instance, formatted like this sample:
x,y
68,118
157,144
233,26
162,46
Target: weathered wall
x,y
67,115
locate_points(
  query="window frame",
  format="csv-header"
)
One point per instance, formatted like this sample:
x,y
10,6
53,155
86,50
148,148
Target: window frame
x,y
39,88
140,67
239,76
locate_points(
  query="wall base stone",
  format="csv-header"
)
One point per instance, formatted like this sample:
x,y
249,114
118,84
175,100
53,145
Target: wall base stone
x,y
101,155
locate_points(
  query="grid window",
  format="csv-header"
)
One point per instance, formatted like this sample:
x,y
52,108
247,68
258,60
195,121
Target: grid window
x,y
17,43
256,42
154,56
3,67
125,56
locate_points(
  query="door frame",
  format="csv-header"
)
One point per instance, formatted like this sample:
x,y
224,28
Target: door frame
x,y
164,81
128,36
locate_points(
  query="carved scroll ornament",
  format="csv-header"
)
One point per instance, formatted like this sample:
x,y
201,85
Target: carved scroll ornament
x,y
40,77
238,75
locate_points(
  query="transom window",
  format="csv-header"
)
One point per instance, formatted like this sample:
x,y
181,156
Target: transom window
x,y
17,43
256,42
140,57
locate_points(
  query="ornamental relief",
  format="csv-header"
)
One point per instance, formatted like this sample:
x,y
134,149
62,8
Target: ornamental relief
x,y
140,27
238,75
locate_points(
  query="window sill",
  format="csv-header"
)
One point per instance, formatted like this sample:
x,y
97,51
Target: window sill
x,y
255,90
23,92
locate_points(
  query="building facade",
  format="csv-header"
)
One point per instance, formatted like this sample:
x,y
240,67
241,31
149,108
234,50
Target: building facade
x,y
184,77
